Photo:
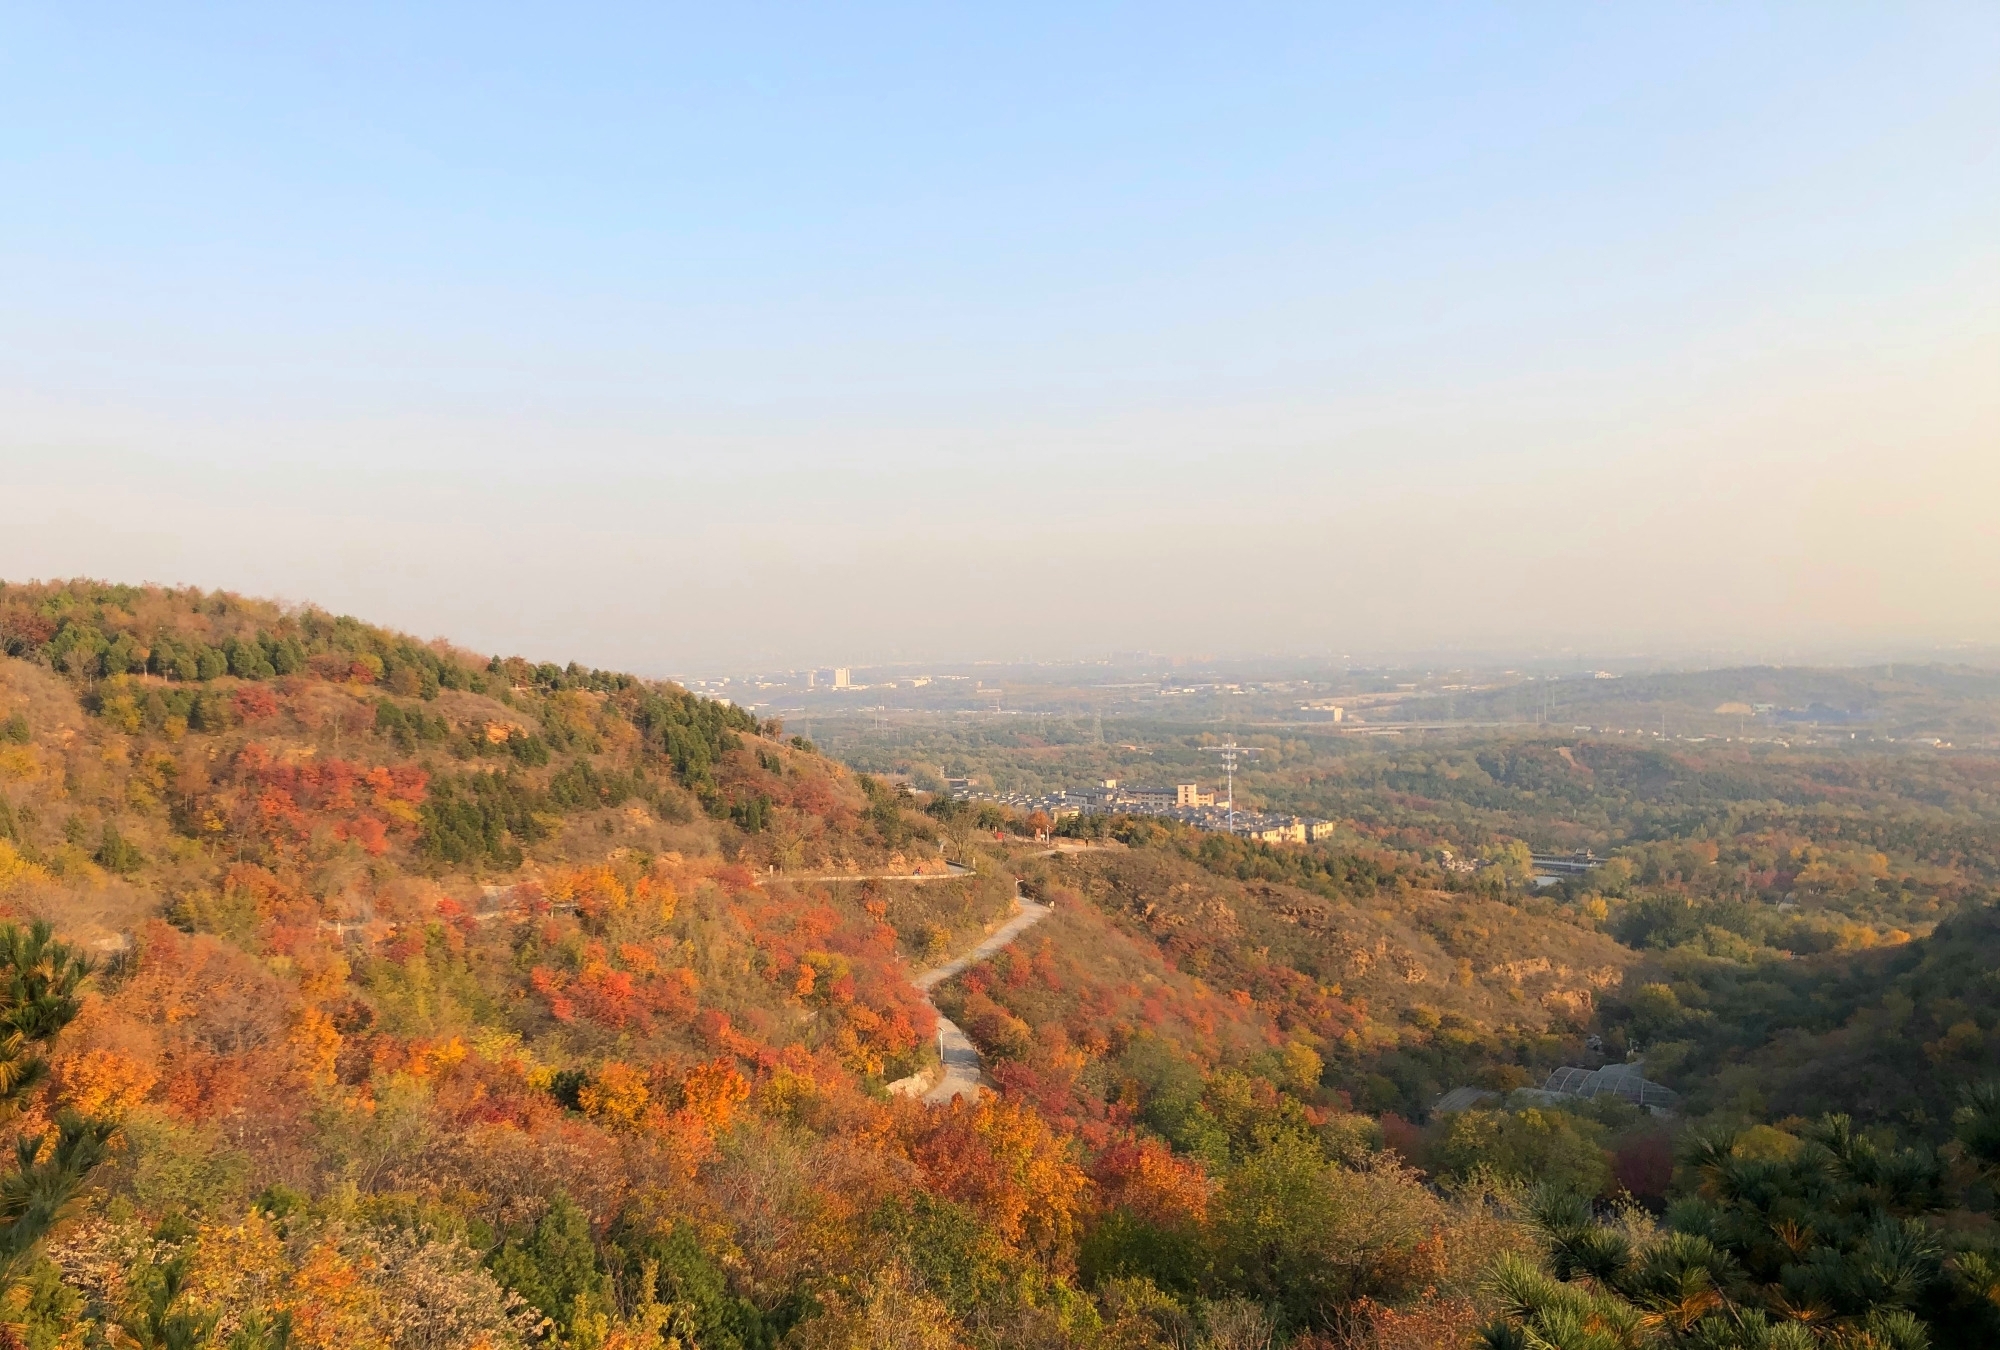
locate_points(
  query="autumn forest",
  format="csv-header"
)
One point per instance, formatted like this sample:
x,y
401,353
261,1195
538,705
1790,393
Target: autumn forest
x,y
363,991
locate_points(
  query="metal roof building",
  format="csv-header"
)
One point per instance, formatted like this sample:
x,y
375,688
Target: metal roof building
x,y
1618,1080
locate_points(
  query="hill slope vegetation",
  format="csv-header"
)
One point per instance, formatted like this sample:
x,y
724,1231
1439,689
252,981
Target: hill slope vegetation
x,y
386,994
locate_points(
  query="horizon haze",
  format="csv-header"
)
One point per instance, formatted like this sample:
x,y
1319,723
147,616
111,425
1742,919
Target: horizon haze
x,y
705,341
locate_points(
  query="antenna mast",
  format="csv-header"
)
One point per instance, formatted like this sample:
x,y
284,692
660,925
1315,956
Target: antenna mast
x,y
1229,750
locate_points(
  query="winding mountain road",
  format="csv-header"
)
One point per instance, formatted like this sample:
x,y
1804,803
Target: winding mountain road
x,y
959,1055
955,1048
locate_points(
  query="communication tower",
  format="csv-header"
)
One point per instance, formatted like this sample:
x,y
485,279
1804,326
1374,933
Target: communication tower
x,y
1229,751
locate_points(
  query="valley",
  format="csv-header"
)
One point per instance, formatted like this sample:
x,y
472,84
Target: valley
x,y
529,1004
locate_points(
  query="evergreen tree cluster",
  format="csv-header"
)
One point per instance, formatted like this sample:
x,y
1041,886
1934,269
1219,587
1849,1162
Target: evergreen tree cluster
x,y
91,630
693,733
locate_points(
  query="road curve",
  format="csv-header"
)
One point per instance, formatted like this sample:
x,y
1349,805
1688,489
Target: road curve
x,y
960,1056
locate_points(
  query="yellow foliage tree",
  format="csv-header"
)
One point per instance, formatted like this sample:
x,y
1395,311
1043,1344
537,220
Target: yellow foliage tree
x,y
615,1096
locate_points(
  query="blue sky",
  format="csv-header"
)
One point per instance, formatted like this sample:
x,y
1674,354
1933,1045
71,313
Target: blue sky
x,y
672,339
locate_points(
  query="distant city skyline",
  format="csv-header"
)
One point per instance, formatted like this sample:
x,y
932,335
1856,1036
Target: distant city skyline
x,y
1569,663
723,339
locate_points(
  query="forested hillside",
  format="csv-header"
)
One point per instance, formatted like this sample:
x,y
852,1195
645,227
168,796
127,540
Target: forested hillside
x,y
362,991
448,1000
1798,942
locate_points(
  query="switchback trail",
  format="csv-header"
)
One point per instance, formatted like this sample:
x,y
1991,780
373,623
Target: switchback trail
x,y
959,1054
955,1048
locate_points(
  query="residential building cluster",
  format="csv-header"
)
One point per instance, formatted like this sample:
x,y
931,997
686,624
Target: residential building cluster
x,y
1184,802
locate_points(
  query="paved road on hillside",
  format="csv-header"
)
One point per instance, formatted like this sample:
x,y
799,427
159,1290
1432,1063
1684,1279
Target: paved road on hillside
x,y
952,872
960,1055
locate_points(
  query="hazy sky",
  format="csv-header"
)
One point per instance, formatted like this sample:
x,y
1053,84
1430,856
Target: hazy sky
x,y
683,340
